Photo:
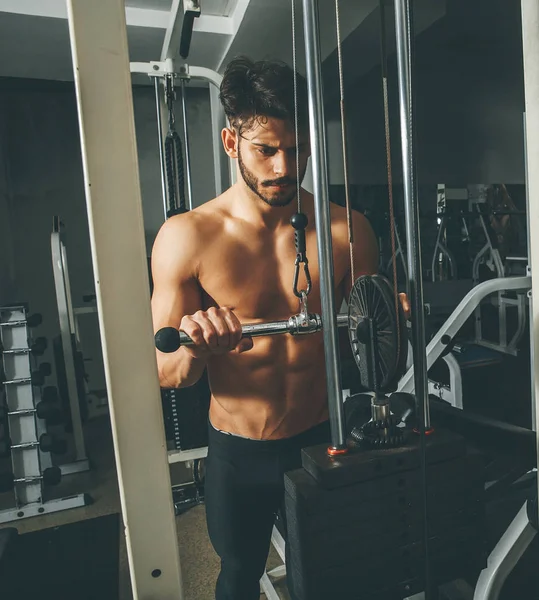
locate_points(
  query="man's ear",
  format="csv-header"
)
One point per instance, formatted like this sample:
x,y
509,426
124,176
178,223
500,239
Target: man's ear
x,y
230,141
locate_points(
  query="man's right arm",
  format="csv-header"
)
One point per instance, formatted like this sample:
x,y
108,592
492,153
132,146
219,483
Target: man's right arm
x,y
177,302
176,293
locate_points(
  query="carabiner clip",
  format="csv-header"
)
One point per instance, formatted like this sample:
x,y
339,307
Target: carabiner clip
x,y
302,260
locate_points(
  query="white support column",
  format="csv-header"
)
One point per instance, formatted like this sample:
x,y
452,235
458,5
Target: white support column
x,y
105,107
530,44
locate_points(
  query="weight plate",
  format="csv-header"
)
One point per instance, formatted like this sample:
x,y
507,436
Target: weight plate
x,y
372,297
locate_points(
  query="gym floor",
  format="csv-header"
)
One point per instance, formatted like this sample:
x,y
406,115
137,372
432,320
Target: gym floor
x,y
200,564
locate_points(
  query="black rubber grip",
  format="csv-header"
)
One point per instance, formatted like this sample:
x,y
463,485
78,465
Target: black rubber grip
x,y
300,241
187,32
167,339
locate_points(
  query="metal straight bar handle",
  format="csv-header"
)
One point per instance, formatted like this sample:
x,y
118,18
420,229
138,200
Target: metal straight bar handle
x,y
317,127
170,339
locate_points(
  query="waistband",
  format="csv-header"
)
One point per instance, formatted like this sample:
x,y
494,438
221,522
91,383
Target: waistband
x,y
315,435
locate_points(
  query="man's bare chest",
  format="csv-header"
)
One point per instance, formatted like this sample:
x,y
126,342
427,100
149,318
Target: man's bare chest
x,y
255,278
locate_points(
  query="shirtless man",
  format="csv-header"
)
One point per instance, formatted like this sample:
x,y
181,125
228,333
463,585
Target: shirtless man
x,y
231,261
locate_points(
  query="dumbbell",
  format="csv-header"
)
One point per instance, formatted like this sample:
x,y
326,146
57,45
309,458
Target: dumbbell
x,y
39,346
46,443
48,408
5,448
38,377
50,476
34,320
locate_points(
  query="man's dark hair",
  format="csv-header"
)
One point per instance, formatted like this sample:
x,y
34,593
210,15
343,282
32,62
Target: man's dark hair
x,y
253,91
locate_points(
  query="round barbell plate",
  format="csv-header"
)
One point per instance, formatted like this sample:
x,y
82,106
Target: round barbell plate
x,y
372,297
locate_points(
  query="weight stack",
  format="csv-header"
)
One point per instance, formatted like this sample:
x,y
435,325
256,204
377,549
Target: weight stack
x,y
360,535
185,413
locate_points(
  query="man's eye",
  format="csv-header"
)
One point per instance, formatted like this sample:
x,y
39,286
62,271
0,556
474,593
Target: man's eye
x,y
266,151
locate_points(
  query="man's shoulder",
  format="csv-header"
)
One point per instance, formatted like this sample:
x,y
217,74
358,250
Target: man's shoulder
x,y
339,216
188,234
203,219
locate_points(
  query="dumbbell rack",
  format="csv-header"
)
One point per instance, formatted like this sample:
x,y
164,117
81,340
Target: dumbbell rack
x,y
22,395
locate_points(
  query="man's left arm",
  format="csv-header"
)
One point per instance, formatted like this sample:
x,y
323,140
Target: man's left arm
x,y
365,250
366,256
365,253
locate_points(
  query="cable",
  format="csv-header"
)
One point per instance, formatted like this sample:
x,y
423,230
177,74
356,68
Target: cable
x,y
344,148
296,125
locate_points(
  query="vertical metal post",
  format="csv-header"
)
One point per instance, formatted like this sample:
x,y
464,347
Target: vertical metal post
x,y
187,149
67,330
404,33
530,51
411,204
529,294
323,220
161,146
99,50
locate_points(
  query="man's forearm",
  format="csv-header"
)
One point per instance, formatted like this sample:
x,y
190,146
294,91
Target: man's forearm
x,y
180,369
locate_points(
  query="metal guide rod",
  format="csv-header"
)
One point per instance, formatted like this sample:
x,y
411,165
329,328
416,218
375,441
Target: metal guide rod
x,y
323,220
528,272
404,33
530,51
413,242
99,50
158,106
187,149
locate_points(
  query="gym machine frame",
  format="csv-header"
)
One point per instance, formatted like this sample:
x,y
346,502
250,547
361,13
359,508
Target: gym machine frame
x,y
459,316
103,84
159,70
105,108
503,302
100,56
68,333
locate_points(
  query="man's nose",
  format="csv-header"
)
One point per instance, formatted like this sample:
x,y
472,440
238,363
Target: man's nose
x,y
282,164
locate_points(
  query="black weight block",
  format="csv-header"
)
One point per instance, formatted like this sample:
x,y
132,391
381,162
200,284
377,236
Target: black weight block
x,y
389,580
451,556
367,537
362,465
402,514
368,546
388,526
313,498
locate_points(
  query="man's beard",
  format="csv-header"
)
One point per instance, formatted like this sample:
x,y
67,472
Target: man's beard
x,y
271,197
